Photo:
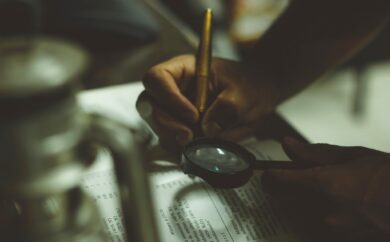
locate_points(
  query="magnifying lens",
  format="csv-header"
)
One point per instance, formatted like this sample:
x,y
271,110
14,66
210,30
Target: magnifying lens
x,y
223,164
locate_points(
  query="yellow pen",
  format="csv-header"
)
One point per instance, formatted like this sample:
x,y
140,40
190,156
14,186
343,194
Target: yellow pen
x,y
203,62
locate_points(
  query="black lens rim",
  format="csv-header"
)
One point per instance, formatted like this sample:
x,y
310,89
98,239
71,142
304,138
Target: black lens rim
x,y
217,179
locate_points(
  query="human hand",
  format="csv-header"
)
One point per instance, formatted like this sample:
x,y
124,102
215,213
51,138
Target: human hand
x,y
236,99
351,197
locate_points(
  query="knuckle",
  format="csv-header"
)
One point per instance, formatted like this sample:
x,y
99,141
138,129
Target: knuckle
x,y
229,103
161,121
228,100
183,58
153,75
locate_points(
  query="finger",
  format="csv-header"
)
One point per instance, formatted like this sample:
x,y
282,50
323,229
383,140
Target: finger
x,y
237,134
224,113
324,153
144,105
343,184
165,83
352,225
171,133
348,220
290,182
169,130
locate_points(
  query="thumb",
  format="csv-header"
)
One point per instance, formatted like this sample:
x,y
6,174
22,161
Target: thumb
x,y
347,220
324,153
224,113
353,224
316,178
287,183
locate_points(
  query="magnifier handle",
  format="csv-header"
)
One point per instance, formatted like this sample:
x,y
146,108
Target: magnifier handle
x,y
272,164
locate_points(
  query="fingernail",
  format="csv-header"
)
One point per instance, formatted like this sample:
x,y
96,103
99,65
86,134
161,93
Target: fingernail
x,y
144,109
183,138
212,129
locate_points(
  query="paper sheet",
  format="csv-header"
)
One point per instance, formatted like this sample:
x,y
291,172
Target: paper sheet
x,y
186,209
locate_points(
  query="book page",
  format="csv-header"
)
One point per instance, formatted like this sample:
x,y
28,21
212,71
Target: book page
x,y
186,209
100,184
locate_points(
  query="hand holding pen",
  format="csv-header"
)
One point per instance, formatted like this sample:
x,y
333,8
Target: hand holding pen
x,y
222,96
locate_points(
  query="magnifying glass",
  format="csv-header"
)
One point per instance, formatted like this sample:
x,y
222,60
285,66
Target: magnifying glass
x,y
223,164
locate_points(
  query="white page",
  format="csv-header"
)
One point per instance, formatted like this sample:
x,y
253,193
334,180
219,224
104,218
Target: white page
x,y
116,102
186,209
190,210
100,184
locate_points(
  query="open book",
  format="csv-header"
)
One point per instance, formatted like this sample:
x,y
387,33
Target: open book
x,y
186,209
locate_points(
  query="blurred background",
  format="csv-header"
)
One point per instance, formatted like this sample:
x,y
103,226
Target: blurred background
x,y
126,37
44,133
